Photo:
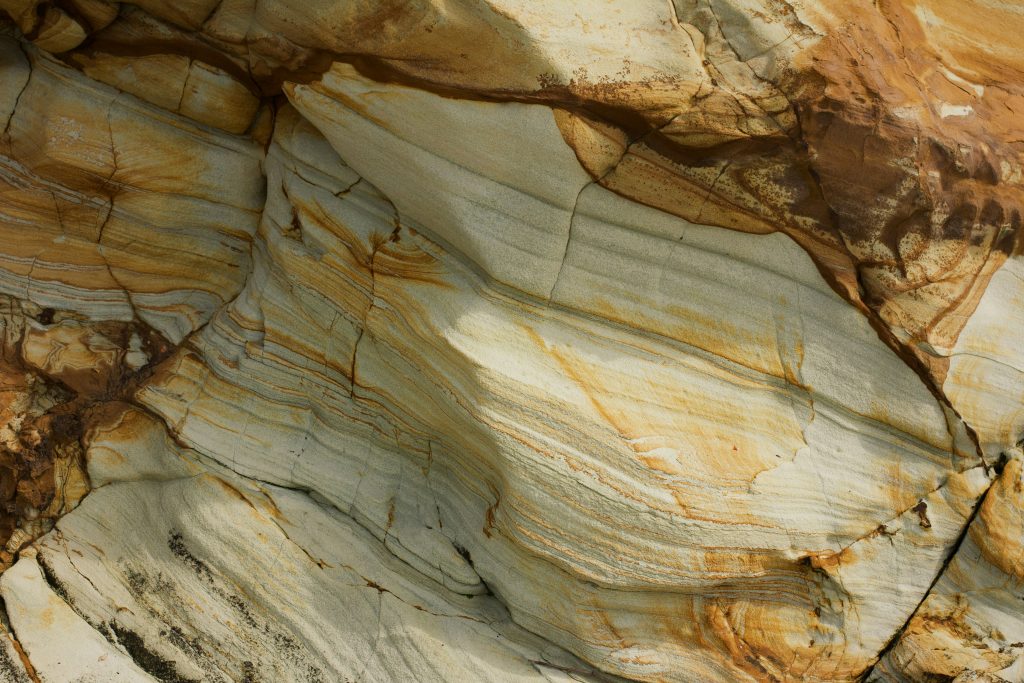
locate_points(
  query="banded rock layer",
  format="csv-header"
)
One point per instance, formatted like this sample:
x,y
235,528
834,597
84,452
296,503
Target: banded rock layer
x,y
648,340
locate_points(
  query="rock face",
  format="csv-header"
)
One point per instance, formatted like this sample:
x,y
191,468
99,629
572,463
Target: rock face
x,y
659,340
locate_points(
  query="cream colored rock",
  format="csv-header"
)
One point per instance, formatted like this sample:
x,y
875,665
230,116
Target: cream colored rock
x,y
113,190
12,660
199,91
965,624
448,165
985,380
628,449
38,614
225,579
670,341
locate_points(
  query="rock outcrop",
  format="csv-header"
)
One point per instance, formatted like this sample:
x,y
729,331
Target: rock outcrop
x,y
658,340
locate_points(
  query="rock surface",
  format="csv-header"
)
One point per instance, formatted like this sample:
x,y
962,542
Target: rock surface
x,y
672,340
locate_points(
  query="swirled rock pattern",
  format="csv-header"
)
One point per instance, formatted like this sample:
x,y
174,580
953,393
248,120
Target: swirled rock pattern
x,y
656,340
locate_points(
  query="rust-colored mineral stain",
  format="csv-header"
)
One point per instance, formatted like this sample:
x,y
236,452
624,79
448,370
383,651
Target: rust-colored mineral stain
x,y
921,510
491,509
25,661
82,368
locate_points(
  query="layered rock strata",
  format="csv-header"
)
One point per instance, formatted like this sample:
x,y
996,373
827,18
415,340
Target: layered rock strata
x,y
660,341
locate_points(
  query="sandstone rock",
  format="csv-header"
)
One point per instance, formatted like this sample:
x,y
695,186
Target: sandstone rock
x,y
662,341
964,624
37,612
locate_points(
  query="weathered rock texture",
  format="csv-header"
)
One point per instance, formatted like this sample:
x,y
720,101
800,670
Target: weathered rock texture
x,y
367,340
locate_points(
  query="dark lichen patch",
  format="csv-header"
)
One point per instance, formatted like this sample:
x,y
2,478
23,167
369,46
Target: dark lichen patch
x,y
187,645
285,642
240,607
314,674
56,585
263,640
144,587
191,647
290,650
152,663
137,582
159,597
177,546
259,632
9,670
106,633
